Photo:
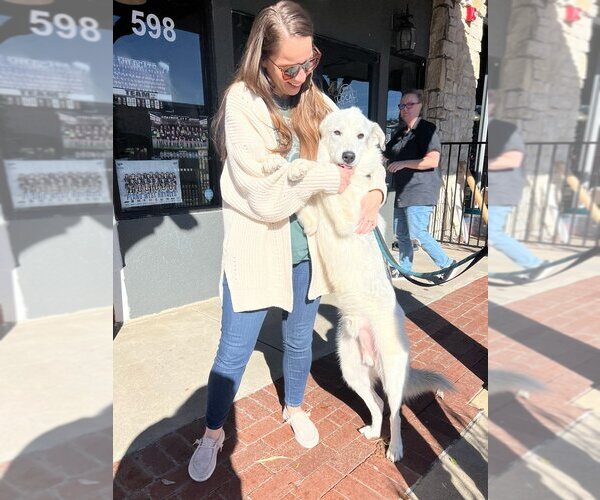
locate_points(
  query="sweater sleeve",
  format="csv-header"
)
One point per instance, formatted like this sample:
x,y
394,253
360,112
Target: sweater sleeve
x,y
269,197
378,181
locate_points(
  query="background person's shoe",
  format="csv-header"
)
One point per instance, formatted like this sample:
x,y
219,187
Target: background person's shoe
x,y
540,271
204,460
450,272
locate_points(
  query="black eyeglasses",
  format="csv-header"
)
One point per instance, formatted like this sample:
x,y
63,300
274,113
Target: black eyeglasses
x,y
289,72
407,105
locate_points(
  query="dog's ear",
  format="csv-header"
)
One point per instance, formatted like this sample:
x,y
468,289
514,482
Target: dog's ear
x,y
377,137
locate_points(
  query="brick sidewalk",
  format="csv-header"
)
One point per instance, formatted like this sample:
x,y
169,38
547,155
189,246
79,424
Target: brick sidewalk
x,y
553,338
261,459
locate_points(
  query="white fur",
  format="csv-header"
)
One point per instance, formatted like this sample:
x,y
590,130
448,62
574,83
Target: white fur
x,y
371,341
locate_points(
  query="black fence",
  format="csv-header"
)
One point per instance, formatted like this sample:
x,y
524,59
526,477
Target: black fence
x,y
560,202
460,215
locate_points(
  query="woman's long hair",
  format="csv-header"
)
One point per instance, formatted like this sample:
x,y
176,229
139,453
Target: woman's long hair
x,y
271,26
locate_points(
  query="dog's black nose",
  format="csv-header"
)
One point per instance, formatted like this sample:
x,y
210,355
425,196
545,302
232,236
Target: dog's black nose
x,y
348,157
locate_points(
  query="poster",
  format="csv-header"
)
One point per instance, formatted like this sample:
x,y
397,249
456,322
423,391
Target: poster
x,y
148,182
51,183
42,83
141,84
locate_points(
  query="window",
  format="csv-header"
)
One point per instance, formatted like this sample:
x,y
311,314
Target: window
x,y
346,74
405,73
161,147
55,114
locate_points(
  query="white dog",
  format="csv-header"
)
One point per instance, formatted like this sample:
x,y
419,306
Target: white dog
x,y
371,340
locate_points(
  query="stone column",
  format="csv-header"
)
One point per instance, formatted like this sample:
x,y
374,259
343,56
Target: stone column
x,y
453,68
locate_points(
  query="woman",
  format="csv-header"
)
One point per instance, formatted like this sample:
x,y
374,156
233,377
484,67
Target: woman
x,y
271,112
414,155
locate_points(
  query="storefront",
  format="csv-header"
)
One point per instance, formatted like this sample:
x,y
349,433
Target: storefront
x,y
171,63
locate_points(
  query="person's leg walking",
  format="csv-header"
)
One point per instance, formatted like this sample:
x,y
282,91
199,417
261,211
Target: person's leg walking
x,y
418,220
500,240
403,236
297,330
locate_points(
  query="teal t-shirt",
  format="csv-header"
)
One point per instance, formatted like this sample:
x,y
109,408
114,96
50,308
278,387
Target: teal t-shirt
x,y
299,241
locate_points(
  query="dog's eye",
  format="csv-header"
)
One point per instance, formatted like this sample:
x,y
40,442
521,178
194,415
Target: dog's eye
x,y
361,136
337,132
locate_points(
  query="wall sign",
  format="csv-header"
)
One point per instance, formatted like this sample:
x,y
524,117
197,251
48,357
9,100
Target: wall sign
x,y
64,25
152,26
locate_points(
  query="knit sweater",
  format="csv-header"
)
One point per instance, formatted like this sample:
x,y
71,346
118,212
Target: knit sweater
x,y
257,255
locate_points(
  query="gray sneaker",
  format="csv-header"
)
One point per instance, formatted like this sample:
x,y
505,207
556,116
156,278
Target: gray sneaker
x,y
204,460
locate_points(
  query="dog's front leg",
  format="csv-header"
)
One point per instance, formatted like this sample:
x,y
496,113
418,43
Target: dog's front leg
x,y
309,217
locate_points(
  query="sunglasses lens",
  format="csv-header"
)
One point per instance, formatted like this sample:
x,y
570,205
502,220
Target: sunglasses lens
x,y
291,72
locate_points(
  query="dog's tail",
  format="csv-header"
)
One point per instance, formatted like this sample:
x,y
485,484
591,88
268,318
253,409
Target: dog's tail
x,y
422,381
506,381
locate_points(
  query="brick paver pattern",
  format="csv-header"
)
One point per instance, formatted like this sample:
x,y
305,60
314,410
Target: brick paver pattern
x,y
551,337
261,459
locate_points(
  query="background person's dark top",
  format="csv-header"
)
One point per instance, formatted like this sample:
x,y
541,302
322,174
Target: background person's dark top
x,y
505,186
414,187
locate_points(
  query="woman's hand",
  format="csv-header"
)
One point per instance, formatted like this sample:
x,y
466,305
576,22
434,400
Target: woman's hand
x,y
345,174
395,166
369,210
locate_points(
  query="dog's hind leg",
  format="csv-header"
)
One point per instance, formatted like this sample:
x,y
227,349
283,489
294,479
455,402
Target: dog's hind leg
x,y
395,373
358,377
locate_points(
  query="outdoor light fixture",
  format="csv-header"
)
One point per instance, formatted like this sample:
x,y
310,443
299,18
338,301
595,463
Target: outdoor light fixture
x,y
572,14
405,32
471,14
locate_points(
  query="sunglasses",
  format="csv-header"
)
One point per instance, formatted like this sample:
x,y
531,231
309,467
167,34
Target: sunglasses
x,y
289,72
407,105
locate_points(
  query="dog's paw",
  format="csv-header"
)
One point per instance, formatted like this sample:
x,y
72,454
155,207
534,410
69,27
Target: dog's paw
x,y
297,171
439,393
272,164
394,453
370,431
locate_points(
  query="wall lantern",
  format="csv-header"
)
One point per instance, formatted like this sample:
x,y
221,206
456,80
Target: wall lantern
x,y
572,14
405,33
471,14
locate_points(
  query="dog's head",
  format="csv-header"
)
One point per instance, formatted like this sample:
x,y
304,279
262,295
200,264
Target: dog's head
x,y
347,136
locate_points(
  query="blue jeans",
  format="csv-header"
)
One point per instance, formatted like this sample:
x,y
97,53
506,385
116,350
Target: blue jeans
x,y
239,332
515,251
411,224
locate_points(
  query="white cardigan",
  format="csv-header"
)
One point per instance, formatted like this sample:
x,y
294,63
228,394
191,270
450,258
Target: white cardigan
x,y
257,252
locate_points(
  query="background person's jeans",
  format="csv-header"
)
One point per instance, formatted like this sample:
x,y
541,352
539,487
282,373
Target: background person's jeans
x,y
514,250
239,332
411,224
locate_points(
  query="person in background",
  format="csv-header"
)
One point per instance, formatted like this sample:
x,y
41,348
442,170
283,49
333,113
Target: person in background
x,y
413,154
506,179
271,113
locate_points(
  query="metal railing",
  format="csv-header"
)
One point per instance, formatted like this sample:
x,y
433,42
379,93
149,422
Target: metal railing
x,y
560,202
460,215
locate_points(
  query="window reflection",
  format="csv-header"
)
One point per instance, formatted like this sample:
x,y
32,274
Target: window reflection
x,y
161,120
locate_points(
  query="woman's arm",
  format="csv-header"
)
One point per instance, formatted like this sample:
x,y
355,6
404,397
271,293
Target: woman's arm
x,y
507,160
429,161
273,197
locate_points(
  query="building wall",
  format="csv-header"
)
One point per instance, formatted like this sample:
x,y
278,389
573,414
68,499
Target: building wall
x,y
170,261
453,69
544,68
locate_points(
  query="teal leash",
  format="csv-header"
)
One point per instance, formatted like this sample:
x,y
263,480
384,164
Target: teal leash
x,y
433,276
